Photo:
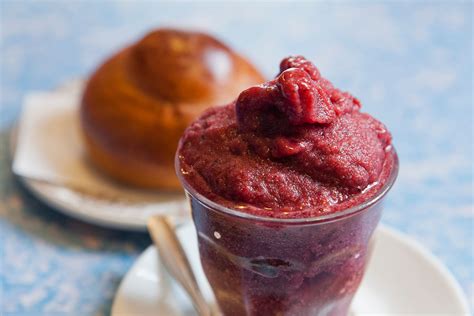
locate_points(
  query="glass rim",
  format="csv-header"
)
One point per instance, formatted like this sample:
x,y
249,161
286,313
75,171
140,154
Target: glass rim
x,y
305,220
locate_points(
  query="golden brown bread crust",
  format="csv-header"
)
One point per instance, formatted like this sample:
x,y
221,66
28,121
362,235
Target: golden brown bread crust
x,y
138,103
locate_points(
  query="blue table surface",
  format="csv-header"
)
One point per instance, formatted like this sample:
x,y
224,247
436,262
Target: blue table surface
x,y
409,63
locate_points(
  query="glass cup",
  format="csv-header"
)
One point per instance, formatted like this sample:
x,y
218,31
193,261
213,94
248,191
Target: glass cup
x,y
268,266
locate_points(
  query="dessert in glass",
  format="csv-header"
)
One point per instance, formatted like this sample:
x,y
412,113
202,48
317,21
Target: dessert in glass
x,y
286,187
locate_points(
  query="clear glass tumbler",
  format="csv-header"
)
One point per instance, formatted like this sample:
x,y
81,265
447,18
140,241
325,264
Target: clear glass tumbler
x,y
267,266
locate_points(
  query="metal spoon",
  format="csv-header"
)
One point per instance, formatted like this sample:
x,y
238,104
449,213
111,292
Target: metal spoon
x,y
175,261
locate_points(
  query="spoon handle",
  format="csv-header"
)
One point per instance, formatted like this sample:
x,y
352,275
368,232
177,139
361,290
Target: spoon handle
x,y
175,261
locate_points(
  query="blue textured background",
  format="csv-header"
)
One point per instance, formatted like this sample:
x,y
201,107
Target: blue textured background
x,y
410,64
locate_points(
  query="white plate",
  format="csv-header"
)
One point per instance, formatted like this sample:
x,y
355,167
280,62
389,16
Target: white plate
x,y
129,210
115,206
103,211
402,278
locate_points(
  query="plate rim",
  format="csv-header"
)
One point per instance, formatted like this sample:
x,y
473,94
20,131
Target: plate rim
x,y
76,212
434,261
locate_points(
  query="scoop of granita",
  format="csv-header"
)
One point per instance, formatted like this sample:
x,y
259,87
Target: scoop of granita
x,y
294,146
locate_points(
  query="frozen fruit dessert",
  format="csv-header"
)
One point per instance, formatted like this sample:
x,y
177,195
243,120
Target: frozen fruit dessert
x,y
292,147
288,177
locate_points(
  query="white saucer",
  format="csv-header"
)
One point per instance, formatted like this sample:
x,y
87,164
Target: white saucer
x,y
402,278
114,206
122,208
131,214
